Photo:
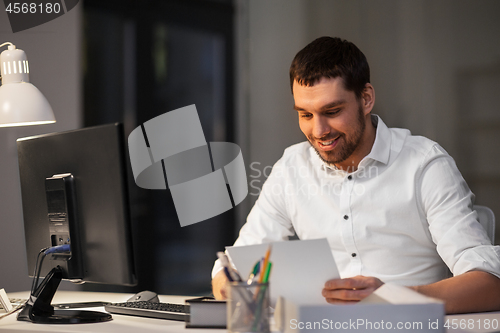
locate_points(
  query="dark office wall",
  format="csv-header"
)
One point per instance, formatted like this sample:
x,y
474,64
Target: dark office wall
x,y
140,62
53,52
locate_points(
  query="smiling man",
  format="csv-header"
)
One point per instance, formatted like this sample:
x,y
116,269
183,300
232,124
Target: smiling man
x,y
393,206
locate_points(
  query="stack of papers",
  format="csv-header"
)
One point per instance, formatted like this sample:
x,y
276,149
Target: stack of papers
x,y
390,308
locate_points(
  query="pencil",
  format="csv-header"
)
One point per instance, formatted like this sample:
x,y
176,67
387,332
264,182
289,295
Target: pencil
x,y
266,260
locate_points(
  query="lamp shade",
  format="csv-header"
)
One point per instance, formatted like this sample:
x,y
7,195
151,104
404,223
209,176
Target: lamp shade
x,y
21,103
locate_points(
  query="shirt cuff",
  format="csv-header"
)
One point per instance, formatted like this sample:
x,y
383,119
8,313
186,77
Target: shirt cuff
x,y
480,258
217,268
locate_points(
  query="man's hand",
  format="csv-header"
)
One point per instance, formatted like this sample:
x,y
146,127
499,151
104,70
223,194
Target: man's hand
x,y
219,283
350,290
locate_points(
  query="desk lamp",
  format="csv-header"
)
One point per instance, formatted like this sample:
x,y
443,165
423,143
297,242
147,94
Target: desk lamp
x,y
21,103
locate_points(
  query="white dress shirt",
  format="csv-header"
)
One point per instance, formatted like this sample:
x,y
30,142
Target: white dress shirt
x,y
404,216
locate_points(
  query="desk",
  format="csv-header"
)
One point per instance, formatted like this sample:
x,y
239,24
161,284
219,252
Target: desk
x,y
477,318
119,324
131,324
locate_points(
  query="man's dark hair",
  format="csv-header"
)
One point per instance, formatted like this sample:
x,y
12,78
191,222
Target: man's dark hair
x,y
331,57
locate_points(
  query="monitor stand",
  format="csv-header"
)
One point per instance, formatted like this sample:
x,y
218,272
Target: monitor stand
x,y
39,310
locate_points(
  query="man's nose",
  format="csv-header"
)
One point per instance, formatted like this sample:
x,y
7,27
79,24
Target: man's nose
x,y
321,128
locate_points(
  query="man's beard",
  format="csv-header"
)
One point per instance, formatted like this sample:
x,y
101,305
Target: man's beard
x,y
345,147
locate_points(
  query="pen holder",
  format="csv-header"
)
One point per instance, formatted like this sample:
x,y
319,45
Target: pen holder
x,y
248,307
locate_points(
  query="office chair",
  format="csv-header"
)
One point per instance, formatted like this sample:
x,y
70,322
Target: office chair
x,y
487,219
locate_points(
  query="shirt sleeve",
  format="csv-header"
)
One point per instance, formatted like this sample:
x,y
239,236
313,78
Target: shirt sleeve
x,y
268,220
447,202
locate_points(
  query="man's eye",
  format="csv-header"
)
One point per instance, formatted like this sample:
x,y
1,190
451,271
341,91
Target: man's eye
x,y
332,112
305,116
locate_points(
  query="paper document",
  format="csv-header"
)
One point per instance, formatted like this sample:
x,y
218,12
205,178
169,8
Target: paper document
x,y
395,294
390,308
300,267
4,300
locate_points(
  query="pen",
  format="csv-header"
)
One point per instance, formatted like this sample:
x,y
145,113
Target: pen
x,y
268,271
231,274
255,271
261,268
228,275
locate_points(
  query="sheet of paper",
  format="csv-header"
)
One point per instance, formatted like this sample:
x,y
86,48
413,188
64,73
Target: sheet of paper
x,y
395,294
300,267
4,300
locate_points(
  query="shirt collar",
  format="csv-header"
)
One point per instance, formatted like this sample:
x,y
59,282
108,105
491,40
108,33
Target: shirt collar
x,y
380,151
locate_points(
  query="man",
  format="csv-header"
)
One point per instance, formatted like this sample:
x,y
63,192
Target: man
x,y
393,206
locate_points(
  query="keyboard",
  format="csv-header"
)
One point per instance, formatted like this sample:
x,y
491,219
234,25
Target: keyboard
x,y
149,309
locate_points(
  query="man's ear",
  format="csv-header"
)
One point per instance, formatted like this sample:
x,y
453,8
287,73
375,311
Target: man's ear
x,y
368,98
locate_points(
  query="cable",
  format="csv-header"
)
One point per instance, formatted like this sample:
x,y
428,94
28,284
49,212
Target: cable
x,y
3,315
38,266
58,249
34,284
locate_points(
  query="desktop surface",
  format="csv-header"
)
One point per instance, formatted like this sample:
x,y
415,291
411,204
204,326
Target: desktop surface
x,y
120,323
132,324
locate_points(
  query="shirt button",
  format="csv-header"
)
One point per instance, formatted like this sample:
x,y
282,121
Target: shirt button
x,y
349,177
353,255
346,217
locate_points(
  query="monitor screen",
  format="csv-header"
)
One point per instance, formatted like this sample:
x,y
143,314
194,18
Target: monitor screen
x,y
74,191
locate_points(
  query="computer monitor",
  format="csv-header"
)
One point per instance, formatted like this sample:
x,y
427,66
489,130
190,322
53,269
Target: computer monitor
x,y
74,193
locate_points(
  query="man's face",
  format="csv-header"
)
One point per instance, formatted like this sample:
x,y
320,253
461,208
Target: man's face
x,y
332,119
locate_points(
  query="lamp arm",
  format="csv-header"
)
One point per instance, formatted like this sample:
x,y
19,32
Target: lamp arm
x,y
6,43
